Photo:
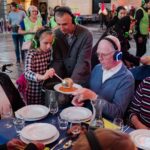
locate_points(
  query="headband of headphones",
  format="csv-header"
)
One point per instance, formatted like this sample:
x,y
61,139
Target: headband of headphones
x,y
93,141
112,42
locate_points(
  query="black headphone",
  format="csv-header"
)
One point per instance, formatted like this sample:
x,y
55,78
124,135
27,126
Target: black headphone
x,y
29,11
64,9
118,54
93,141
35,40
120,8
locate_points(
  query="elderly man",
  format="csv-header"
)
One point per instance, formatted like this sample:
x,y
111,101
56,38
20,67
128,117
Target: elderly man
x,y
110,82
72,47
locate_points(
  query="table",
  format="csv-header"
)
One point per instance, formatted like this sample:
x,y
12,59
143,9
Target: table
x,y
7,134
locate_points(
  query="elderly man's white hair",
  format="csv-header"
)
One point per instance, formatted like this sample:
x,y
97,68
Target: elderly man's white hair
x,y
115,40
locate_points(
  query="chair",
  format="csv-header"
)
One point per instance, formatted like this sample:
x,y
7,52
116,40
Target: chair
x,y
11,92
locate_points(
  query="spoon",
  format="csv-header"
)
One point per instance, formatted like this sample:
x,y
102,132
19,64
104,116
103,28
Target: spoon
x,y
64,83
67,145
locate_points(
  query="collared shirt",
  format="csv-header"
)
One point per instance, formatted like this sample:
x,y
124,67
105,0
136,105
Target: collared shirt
x,y
109,73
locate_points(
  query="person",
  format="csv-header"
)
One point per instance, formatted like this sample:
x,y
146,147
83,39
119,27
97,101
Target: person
x,y
110,82
141,27
30,24
139,109
141,72
104,139
72,47
15,17
37,64
121,24
9,94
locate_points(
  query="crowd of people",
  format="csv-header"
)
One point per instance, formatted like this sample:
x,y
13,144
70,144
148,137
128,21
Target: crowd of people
x,y
67,50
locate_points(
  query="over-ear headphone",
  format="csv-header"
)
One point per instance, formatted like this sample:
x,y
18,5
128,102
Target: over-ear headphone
x,y
119,8
62,10
118,54
93,141
143,2
30,9
14,4
36,39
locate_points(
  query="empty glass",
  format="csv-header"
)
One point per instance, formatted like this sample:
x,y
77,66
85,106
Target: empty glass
x,y
118,124
7,114
19,124
63,124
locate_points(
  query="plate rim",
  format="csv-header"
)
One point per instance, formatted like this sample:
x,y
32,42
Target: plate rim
x,y
136,132
81,120
55,88
34,124
49,141
17,113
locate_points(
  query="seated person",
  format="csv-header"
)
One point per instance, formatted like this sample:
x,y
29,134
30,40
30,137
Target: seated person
x,y
9,94
104,139
141,72
139,111
111,82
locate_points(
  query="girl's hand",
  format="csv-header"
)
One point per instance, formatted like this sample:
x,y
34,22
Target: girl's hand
x,y
49,73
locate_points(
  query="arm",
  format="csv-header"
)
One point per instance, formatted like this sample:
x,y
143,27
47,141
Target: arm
x,y
121,100
33,76
82,68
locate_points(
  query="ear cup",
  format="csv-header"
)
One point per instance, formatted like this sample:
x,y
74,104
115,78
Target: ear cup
x,y
117,56
36,43
143,2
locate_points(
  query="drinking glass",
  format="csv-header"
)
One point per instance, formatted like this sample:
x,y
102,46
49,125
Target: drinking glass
x,y
63,124
19,124
118,124
75,127
53,104
7,114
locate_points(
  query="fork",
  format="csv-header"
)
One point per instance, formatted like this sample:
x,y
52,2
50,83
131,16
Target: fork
x,y
60,141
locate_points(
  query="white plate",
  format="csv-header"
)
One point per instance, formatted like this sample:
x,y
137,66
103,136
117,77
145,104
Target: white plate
x,y
32,112
57,86
141,138
39,131
76,114
48,141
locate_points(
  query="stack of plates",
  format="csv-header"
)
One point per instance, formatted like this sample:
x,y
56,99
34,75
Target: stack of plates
x,y
141,138
39,132
76,114
32,112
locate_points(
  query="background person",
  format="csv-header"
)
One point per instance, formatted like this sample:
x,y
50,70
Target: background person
x,y
142,27
111,82
72,47
15,17
37,64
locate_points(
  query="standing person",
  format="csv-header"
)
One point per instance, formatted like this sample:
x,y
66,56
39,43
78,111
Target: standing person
x,y
111,82
72,47
36,66
15,17
30,24
141,27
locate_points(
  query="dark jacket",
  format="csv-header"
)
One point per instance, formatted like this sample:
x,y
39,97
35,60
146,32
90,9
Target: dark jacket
x,y
73,61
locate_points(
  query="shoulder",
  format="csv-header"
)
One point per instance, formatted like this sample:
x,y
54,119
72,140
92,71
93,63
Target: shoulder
x,y
81,29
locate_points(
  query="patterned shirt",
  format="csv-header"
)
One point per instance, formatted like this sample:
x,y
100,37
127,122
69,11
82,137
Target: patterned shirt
x,y
140,106
36,62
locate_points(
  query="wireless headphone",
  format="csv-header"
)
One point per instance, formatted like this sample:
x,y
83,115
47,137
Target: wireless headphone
x,y
93,141
29,10
14,4
36,41
119,8
118,54
62,10
143,2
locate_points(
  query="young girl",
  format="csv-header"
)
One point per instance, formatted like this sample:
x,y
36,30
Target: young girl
x,y
36,66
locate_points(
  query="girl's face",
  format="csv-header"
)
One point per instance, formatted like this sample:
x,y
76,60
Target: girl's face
x,y
46,41
122,13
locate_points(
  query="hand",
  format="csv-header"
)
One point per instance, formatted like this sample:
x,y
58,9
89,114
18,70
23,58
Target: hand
x,y
84,94
49,73
145,60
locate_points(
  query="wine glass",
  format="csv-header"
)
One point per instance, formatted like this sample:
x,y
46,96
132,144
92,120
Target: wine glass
x,y
53,104
7,114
